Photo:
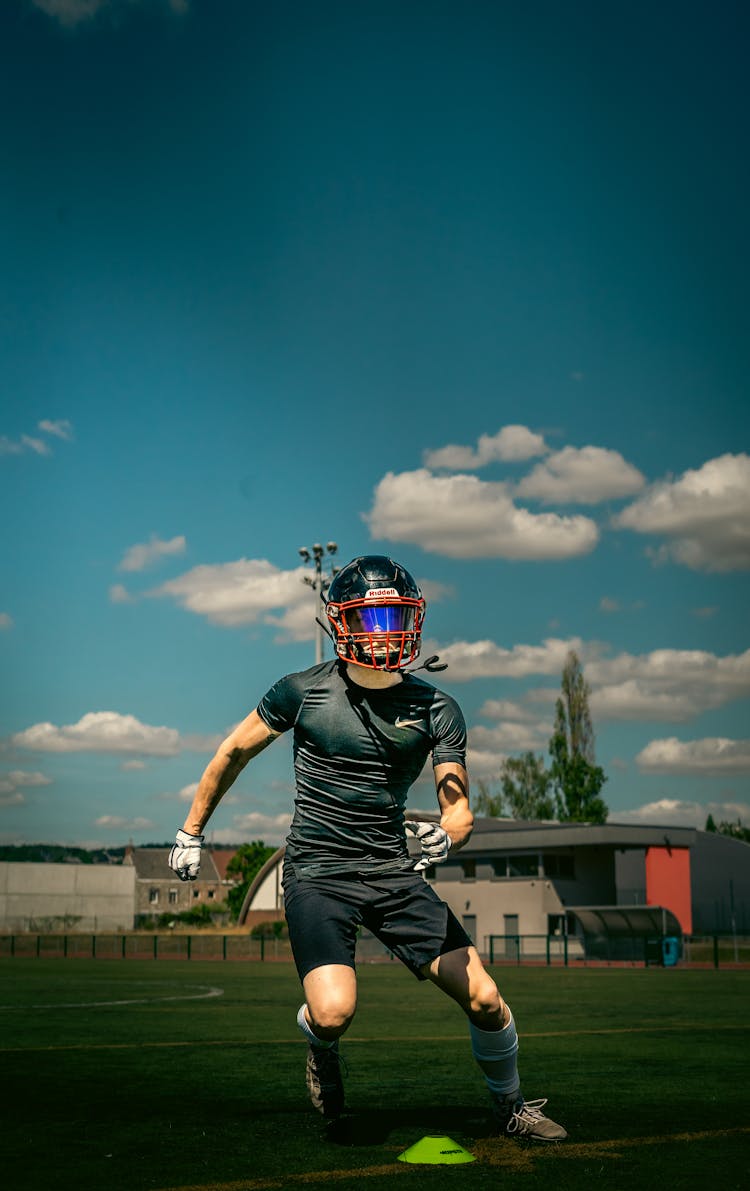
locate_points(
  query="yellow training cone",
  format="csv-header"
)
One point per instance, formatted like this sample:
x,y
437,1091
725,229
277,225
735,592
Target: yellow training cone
x,y
434,1150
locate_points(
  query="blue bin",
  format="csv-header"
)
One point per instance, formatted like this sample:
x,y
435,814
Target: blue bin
x,y
670,951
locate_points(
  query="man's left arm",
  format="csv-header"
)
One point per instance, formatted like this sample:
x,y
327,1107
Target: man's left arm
x,y
456,818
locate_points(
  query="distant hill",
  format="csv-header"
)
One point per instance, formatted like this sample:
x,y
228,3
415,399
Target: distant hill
x,y
63,854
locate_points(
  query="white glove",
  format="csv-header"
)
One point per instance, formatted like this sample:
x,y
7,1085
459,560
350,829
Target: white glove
x,y
185,856
434,841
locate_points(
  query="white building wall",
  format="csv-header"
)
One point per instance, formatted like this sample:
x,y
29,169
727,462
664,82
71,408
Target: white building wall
x,y
531,900
269,895
72,897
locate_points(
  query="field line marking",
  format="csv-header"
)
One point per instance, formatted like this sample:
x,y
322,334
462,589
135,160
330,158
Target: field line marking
x,y
310,1176
485,1149
201,996
490,1151
712,1029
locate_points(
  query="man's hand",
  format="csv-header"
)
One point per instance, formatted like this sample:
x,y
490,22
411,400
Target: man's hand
x,y
185,856
434,841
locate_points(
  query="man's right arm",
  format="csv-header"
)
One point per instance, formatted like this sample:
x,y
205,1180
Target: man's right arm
x,y
247,740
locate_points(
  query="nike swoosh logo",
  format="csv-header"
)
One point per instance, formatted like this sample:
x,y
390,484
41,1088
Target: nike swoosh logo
x,y
409,723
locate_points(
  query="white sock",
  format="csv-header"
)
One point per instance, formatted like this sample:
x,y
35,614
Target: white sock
x,y
495,1051
304,1025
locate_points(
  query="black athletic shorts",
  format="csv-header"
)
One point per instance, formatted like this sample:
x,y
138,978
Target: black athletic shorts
x,y
401,909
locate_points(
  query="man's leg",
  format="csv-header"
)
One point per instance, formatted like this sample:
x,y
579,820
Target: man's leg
x,y
494,1042
330,1001
328,1009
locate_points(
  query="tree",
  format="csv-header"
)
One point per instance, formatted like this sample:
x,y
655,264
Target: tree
x,y
246,863
524,790
526,787
487,803
576,778
735,830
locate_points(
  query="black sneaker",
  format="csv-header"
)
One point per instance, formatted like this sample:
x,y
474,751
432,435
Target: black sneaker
x,y
517,1117
323,1079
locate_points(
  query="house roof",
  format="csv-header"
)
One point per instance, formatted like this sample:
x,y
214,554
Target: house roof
x,y
626,921
493,835
151,865
221,858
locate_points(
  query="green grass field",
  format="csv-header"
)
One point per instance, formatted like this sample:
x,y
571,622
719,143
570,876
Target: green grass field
x,y
138,1074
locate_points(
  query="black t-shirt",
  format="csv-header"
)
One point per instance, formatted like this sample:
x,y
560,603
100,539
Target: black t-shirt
x,y
357,751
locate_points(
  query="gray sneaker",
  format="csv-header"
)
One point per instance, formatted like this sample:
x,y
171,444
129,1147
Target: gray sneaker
x,y
323,1079
517,1117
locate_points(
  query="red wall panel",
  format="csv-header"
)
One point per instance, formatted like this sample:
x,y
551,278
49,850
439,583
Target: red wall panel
x,y
668,883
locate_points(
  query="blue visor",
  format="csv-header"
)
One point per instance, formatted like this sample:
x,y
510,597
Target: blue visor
x,y
382,618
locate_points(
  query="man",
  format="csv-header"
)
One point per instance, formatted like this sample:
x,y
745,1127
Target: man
x,y
363,728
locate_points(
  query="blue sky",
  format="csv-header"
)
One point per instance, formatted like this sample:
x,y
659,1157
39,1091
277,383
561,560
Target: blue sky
x,y
463,283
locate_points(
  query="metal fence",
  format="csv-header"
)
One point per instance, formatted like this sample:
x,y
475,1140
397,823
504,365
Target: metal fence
x,y
715,951
707,951
172,945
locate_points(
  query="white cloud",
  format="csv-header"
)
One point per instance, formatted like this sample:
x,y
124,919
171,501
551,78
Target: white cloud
x,y
9,796
120,595
13,781
581,475
674,812
145,554
482,763
71,13
510,737
608,604
485,659
101,732
670,685
272,829
118,823
506,709
464,517
37,446
6,621
705,514
132,766
434,592
248,591
666,684
511,444
634,700
59,429
708,757
21,777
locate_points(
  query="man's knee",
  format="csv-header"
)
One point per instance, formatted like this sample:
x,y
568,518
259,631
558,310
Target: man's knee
x,y
330,1013
331,996
485,1000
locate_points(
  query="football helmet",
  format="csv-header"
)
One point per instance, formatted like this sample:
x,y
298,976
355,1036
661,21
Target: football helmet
x,y
375,609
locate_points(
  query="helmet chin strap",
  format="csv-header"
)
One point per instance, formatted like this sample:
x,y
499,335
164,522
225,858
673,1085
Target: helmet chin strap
x,y
432,665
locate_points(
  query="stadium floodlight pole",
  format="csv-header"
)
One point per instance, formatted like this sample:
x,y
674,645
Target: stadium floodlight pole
x,y
319,582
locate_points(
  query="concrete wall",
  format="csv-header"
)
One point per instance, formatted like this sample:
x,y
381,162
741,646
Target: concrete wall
x,y
72,897
720,869
532,900
269,894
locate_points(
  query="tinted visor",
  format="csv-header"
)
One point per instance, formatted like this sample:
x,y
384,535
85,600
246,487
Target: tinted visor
x,y
381,618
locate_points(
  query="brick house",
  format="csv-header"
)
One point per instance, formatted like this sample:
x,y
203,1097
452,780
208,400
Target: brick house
x,y
160,891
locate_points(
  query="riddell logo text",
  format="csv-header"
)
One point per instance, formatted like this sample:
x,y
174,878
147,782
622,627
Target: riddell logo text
x,y
381,593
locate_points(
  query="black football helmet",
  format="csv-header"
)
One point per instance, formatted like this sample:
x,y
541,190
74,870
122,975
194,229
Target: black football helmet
x,y
376,610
